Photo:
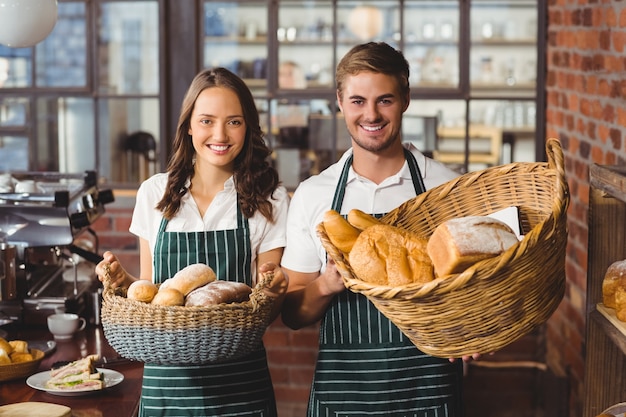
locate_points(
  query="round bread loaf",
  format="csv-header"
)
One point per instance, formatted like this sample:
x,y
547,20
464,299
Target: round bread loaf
x,y
169,297
189,278
142,290
218,292
389,255
614,277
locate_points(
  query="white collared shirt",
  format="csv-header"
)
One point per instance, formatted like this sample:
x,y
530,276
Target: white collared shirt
x,y
313,197
220,215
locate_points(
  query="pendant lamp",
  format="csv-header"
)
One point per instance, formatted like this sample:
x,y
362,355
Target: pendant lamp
x,y
365,22
25,23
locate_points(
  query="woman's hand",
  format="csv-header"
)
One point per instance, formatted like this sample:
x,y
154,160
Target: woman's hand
x,y
280,281
110,268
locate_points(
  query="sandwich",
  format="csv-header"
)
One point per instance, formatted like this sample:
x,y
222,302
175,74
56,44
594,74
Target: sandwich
x,y
80,375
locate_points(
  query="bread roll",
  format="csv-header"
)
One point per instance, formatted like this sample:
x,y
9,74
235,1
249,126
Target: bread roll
x,y
614,277
361,220
6,346
461,242
389,255
340,232
142,290
19,346
169,297
4,357
218,292
189,278
19,357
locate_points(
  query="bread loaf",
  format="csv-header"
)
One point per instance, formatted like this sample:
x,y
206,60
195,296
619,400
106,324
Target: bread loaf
x,y
169,297
340,232
614,277
361,220
459,243
389,255
218,292
142,290
189,278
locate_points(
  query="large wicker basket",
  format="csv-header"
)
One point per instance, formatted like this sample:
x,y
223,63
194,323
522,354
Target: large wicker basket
x,y
496,301
170,335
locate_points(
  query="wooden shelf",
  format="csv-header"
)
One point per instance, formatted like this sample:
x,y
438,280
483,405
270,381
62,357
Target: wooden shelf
x,y
605,356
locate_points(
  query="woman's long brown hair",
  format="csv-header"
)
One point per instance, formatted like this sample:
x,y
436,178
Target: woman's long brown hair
x,y
255,179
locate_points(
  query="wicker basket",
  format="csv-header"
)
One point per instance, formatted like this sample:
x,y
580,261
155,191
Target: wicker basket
x,y
496,301
21,369
171,335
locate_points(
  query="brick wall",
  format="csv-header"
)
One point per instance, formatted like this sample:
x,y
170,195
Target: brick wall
x,y
585,93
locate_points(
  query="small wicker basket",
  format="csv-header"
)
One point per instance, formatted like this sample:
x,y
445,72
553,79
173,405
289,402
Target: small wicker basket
x,y
19,370
496,301
170,335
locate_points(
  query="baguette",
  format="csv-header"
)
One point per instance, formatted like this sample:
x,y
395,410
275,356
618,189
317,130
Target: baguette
x,y
361,220
340,232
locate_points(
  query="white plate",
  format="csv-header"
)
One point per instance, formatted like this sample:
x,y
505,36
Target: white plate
x,y
38,381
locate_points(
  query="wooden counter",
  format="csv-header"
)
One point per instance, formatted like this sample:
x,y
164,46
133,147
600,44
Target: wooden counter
x,y
121,400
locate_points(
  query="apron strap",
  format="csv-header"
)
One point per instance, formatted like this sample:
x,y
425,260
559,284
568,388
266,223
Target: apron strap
x,y
340,190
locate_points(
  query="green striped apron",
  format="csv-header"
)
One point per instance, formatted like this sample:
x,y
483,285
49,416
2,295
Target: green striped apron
x,y
236,388
367,367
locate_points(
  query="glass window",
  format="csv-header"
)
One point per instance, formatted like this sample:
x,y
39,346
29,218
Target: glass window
x,y
503,54
129,133
81,126
431,43
13,153
61,59
305,40
15,67
64,135
235,37
129,48
14,111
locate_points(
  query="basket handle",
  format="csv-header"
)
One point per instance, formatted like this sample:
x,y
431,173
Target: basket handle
x,y
258,295
556,161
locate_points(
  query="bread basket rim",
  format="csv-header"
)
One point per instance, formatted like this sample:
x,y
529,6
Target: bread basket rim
x,y
451,282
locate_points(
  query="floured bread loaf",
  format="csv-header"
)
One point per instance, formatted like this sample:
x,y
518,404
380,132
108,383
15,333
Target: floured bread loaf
x,y
189,278
461,242
218,292
389,255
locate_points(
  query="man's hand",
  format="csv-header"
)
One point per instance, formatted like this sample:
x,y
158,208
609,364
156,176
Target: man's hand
x,y
331,280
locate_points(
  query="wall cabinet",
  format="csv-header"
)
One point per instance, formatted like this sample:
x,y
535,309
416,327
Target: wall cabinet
x,y
605,360
475,65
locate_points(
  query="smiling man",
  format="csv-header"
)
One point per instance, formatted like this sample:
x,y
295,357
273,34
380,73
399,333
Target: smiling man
x,y
366,366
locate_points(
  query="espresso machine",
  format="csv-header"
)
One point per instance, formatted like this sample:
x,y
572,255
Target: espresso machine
x,y
48,249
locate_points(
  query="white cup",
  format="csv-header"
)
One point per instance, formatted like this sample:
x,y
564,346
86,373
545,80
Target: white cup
x,y
64,325
26,186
